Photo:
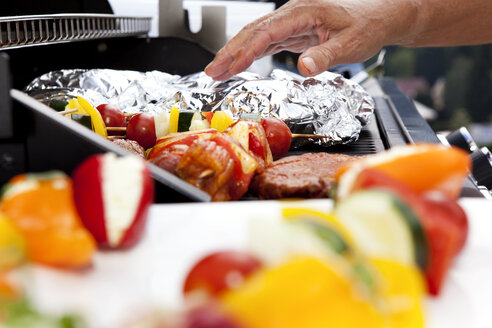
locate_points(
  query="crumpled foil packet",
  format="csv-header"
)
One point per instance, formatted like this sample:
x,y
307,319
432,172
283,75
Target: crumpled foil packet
x,y
326,105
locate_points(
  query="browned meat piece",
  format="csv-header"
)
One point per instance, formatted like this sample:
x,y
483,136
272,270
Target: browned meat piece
x,y
309,175
168,159
130,145
209,167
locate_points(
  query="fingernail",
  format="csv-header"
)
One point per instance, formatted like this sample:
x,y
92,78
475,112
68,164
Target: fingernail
x,y
309,64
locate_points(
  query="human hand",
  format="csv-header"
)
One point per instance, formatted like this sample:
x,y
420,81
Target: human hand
x,y
327,32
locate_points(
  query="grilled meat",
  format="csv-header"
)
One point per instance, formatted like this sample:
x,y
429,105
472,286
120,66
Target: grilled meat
x,y
130,145
168,158
309,175
209,167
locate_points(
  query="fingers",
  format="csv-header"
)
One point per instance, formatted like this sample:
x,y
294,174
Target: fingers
x,y
220,65
253,42
236,55
337,50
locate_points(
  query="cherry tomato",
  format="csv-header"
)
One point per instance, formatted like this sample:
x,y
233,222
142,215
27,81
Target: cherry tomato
x,y
141,128
208,316
221,271
112,117
278,135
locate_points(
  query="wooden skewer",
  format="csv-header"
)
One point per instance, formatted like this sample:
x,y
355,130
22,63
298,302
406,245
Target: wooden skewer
x,y
128,114
116,137
294,135
68,111
116,128
302,135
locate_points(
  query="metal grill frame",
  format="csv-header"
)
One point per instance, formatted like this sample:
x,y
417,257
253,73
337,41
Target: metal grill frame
x,y
20,31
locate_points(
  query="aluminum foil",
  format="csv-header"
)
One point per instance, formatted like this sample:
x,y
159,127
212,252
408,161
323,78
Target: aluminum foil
x,y
326,105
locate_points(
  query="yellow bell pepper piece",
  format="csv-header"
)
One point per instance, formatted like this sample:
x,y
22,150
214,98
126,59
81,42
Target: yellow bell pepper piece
x,y
173,120
221,121
305,292
74,104
12,245
97,121
402,288
312,293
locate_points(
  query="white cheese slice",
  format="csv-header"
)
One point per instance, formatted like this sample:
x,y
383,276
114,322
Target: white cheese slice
x,y
122,189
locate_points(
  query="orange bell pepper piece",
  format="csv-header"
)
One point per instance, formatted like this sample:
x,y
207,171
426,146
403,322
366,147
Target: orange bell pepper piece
x,y
422,167
42,208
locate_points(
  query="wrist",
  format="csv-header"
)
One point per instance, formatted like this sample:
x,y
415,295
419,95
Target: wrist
x,y
409,20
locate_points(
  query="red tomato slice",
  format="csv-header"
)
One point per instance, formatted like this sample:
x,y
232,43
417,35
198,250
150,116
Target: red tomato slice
x,y
221,271
255,146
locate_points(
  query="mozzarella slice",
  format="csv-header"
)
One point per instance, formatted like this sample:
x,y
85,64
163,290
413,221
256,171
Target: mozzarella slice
x,y
122,191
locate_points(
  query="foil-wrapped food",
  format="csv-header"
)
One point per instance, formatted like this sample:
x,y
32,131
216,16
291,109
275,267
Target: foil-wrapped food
x,y
326,105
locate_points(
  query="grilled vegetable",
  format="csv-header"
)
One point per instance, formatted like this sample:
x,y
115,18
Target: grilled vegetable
x,y
173,120
141,128
318,292
422,167
85,107
42,209
58,104
384,226
112,117
220,271
184,120
199,122
278,135
83,119
12,245
220,121
161,122
444,222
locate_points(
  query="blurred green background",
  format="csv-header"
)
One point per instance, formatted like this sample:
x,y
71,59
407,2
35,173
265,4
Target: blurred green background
x,y
455,82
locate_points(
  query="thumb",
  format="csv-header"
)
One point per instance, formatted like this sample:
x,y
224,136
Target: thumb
x,y
318,59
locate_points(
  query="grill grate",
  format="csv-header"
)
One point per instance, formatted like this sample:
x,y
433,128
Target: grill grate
x,y
369,142
22,31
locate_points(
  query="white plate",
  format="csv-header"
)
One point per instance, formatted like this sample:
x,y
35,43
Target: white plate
x,y
120,285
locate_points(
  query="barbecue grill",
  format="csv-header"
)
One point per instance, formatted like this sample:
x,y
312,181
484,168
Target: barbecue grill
x,y
33,138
